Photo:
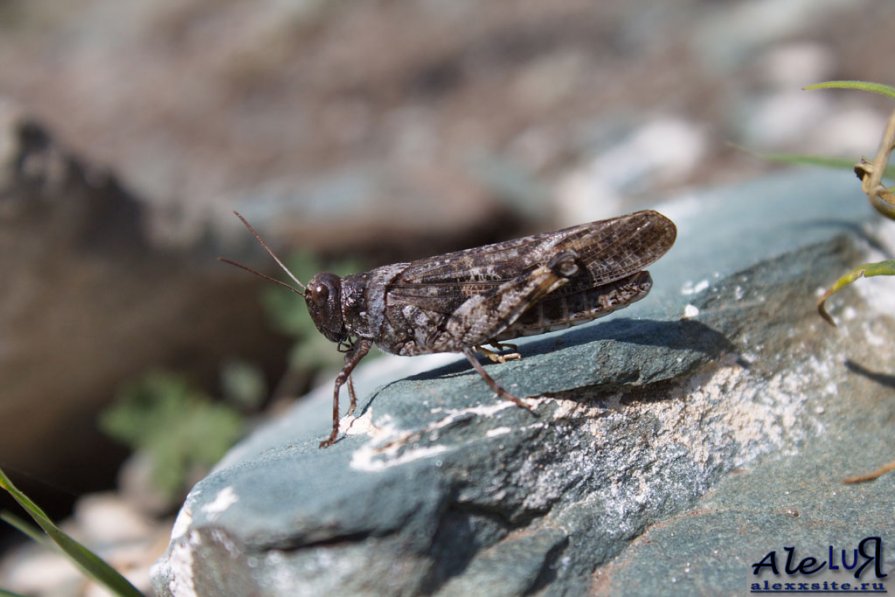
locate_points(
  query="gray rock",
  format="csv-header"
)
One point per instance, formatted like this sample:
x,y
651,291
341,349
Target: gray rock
x,y
441,487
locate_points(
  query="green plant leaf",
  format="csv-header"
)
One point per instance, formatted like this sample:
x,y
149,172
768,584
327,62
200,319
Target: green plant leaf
x,y
243,384
879,88
29,530
866,270
809,160
145,406
821,161
92,565
176,424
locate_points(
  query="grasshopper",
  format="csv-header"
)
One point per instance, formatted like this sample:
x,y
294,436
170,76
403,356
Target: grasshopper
x,y
462,301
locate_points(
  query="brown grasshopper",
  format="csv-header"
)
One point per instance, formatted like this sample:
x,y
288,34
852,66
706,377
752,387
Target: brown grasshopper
x,y
461,301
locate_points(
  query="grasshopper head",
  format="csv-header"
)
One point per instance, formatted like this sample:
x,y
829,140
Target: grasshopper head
x,y
323,295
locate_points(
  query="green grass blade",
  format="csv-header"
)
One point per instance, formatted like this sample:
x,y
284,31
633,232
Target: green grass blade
x,y
821,161
89,562
798,159
22,526
881,268
866,270
879,88
809,160
5,593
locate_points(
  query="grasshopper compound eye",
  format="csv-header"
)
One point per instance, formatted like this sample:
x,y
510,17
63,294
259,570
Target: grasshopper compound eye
x,y
324,298
318,293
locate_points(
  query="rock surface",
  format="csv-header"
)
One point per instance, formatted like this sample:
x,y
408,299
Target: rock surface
x,y
646,422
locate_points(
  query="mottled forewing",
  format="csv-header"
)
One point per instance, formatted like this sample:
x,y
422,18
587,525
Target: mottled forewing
x,y
615,249
608,250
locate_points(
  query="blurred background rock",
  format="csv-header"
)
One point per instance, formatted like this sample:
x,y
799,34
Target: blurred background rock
x,y
371,131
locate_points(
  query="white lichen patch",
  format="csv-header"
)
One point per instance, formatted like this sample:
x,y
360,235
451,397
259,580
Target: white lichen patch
x,y
390,446
370,459
455,414
773,415
729,410
383,432
498,431
223,500
362,425
689,287
384,449
566,408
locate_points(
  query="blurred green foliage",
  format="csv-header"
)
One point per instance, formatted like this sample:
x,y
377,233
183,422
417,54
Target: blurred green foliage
x,y
243,385
182,430
289,315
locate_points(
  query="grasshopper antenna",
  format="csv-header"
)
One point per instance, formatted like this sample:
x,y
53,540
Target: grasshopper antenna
x,y
269,252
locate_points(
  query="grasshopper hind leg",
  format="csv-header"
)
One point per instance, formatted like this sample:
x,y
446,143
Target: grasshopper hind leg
x,y
496,356
352,406
495,387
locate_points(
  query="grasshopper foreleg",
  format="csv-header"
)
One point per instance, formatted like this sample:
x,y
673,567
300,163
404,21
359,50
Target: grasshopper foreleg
x,y
352,358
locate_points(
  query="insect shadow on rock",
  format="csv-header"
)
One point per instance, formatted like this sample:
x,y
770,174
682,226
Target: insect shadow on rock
x,y
463,301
